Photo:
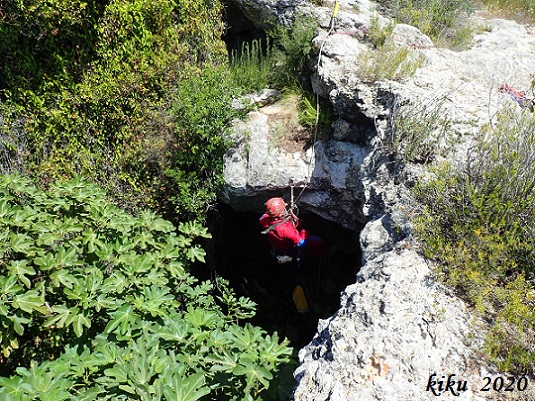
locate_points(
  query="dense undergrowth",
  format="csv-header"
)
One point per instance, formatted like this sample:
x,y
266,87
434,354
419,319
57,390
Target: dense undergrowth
x,y
477,221
97,302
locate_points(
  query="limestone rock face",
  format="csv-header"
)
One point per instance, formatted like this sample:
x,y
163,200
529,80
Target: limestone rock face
x,y
396,326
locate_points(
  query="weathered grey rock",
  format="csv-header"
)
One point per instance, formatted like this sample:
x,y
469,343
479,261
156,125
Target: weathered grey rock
x,y
396,325
395,328
257,168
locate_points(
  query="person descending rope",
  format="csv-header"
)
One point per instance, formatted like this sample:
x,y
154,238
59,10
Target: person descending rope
x,y
284,233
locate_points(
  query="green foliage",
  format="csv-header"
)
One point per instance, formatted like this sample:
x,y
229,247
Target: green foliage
x,y
40,40
295,47
417,130
388,60
104,307
478,223
277,61
440,19
252,67
202,112
105,111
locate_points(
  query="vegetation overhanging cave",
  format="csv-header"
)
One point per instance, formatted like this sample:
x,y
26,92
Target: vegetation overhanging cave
x,y
241,254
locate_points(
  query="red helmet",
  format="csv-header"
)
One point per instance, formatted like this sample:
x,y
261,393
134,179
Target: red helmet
x,y
275,207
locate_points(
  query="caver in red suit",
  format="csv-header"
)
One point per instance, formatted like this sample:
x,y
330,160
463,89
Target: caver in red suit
x,y
283,234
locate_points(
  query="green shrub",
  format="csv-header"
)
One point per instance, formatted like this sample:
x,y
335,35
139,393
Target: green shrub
x,y
479,224
96,93
97,304
202,112
293,48
418,129
439,19
252,67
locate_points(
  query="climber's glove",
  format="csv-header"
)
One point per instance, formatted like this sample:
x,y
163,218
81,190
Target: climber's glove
x,y
301,243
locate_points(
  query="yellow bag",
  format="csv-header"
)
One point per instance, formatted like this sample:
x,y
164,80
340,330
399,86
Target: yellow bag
x,y
301,300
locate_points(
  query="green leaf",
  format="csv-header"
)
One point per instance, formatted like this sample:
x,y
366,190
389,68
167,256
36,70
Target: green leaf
x,y
9,285
21,243
177,270
161,225
190,388
20,269
30,301
196,253
78,321
118,372
14,386
18,322
63,276
253,372
46,261
61,314
225,361
174,329
121,321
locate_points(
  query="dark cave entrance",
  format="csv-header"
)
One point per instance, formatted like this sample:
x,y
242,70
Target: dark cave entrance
x,y
239,30
241,254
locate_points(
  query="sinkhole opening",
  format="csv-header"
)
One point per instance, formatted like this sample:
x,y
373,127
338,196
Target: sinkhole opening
x,y
242,255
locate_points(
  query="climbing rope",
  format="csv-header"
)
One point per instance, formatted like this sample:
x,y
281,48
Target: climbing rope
x,y
332,24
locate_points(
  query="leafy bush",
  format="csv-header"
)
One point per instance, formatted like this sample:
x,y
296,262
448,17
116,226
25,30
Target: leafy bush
x,y
479,224
102,106
202,112
103,306
294,46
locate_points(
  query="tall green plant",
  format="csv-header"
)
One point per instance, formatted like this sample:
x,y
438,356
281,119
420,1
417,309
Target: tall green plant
x,y
97,304
252,66
479,224
202,112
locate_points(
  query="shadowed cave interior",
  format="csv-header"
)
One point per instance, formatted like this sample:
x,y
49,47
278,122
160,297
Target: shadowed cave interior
x,y
239,253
